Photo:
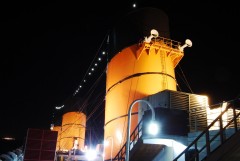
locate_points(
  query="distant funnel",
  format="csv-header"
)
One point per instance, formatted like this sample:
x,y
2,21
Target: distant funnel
x,y
73,127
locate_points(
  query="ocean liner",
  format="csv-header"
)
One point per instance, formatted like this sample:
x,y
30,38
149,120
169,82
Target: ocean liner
x,y
141,87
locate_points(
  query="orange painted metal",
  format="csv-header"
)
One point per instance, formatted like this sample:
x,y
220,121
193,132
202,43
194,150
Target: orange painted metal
x,y
73,127
134,73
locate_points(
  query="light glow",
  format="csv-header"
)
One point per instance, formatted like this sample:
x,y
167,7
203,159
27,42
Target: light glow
x,y
8,138
212,114
153,128
59,107
51,126
106,143
119,136
91,154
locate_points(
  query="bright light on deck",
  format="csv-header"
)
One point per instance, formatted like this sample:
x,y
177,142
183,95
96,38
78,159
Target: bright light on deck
x,y
91,154
153,128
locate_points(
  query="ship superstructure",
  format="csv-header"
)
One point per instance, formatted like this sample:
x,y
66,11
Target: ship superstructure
x,y
142,59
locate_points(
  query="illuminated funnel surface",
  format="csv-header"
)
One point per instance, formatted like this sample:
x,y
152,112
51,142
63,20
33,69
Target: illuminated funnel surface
x,y
137,69
73,126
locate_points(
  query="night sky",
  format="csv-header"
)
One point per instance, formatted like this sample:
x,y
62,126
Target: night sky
x,y
47,48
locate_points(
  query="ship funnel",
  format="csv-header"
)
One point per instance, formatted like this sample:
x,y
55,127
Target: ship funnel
x,y
154,34
188,43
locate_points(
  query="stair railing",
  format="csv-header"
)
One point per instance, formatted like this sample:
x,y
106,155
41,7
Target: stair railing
x,y
136,134
213,142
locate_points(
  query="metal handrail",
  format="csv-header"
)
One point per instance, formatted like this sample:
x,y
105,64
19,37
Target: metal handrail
x,y
136,134
134,137
220,134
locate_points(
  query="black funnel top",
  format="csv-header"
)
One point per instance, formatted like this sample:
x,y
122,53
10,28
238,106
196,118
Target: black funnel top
x,y
136,25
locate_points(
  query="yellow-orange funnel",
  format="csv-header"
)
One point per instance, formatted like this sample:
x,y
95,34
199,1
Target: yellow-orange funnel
x,y
73,126
136,72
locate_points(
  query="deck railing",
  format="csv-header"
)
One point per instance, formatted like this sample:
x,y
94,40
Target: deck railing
x,y
136,134
207,142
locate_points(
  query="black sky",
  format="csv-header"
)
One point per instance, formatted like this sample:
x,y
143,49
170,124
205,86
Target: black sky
x,y
46,49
